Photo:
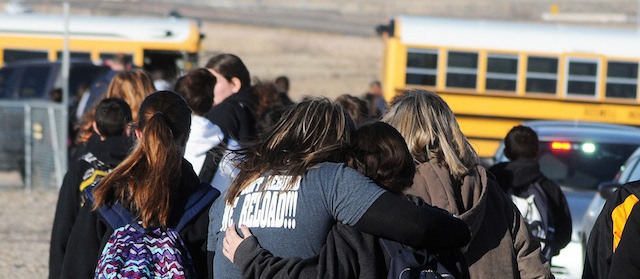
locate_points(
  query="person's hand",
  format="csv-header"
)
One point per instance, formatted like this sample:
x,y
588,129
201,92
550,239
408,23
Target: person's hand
x,y
232,240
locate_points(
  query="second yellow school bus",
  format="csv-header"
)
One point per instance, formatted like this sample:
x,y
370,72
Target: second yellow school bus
x,y
495,75
169,45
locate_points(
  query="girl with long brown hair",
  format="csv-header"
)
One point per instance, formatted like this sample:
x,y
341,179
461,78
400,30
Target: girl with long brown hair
x,y
293,186
153,183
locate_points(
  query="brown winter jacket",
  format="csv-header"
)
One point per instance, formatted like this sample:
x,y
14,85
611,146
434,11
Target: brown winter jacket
x,y
500,246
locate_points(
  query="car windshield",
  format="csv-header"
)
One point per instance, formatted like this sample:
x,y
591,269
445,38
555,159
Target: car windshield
x,y
582,165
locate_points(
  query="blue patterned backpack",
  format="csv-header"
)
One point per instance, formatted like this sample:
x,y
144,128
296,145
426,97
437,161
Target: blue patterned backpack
x,y
135,252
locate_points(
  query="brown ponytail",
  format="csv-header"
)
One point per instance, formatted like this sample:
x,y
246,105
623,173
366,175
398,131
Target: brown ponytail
x,y
147,181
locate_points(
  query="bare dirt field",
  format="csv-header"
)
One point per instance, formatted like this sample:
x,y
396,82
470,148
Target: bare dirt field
x,y
317,64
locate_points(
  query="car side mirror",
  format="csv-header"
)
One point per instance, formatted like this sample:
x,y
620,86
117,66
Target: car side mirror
x,y
606,189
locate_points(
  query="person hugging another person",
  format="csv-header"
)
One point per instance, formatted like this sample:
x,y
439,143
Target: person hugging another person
x,y
111,122
348,253
293,186
449,176
197,89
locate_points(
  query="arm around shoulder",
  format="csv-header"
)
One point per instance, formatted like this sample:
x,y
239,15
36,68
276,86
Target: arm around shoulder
x,y
395,218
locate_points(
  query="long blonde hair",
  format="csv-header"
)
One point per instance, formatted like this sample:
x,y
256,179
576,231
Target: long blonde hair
x,y
431,131
148,181
310,132
131,86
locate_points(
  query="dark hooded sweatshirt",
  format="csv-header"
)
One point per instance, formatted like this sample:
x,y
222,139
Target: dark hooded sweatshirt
x,y
520,174
606,238
236,118
91,233
99,155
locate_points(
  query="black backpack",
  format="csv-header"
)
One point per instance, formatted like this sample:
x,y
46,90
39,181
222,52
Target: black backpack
x,y
533,204
406,262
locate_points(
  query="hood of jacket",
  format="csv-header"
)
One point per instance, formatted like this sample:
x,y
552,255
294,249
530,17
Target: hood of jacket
x,y
517,174
500,246
112,150
465,199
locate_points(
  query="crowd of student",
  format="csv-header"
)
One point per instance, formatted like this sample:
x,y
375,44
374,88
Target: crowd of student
x,y
305,190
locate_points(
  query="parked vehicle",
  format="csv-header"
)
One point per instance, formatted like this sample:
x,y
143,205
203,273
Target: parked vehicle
x,y
29,81
579,156
36,79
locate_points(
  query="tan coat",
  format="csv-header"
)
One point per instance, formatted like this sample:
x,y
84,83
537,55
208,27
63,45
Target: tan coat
x,y
501,246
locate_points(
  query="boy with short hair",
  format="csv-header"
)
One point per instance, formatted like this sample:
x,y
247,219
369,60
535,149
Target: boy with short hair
x,y
112,119
522,172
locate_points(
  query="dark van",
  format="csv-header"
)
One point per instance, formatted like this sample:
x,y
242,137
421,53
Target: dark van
x,y
36,79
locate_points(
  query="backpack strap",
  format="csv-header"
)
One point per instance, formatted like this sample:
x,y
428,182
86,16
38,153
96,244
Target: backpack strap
x,y
199,200
117,216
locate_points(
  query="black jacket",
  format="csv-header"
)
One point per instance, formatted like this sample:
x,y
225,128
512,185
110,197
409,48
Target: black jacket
x,y
599,253
522,173
348,252
626,260
100,155
91,232
236,118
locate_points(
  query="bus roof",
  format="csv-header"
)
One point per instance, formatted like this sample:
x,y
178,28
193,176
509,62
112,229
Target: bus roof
x,y
116,28
516,36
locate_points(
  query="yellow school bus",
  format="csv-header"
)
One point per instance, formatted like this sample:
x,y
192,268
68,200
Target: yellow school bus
x,y
167,44
496,74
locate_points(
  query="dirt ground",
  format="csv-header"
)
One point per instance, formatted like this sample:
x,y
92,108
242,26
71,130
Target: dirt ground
x,y
316,63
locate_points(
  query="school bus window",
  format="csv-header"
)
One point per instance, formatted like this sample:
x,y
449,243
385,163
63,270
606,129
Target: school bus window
x,y
502,72
462,69
583,78
33,81
73,54
422,67
11,55
542,74
622,80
